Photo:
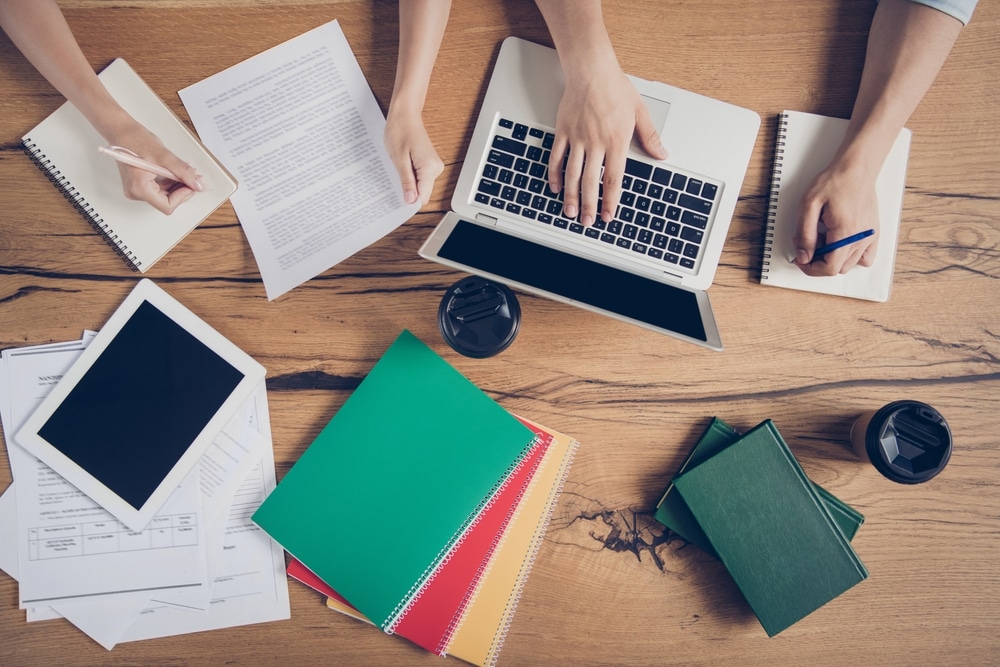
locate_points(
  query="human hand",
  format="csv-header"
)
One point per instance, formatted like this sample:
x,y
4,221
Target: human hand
x,y
598,114
413,154
844,201
163,194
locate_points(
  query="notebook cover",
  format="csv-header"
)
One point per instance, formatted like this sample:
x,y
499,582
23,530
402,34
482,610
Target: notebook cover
x,y
430,621
416,444
805,145
64,146
673,512
770,529
483,628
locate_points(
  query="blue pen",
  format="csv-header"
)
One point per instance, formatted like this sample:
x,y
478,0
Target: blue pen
x,y
853,238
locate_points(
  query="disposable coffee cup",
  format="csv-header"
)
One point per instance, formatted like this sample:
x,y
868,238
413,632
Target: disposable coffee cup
x,y
479,318
907,441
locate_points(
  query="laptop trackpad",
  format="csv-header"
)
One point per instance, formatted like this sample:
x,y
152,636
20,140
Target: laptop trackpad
x,y
658,110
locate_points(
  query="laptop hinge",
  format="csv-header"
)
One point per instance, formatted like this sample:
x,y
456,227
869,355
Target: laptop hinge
x,y
482,217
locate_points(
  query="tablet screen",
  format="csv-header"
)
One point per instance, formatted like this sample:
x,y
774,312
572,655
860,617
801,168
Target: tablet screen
x,y
141,405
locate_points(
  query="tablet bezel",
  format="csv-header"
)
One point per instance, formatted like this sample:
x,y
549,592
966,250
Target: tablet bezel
x,y
146,291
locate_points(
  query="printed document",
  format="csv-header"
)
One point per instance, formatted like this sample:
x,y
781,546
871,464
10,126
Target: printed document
x,y
302,132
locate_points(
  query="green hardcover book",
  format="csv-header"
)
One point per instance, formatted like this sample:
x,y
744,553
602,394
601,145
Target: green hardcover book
x,y
394,479
673,512
770,528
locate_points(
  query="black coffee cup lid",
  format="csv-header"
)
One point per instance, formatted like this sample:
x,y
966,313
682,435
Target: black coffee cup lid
x,y
479,318
908,441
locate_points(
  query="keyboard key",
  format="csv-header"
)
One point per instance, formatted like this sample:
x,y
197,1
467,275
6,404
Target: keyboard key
x,y
513,208
687,263
520,131
518,148
709,190
547,141
529,213
523,198
623,243
545,156
692,235
608,238
534,154
508,193
670,196
615,227
576,228
645,236
520,181
538,203
538,170
592,233
639,248
678,181
490,171
660,241
640,169
671,257
506,123
521,165
536,185
693,187
545,217
658,208
626,214
691,250
502,159
657,224
626,182
630,231
673,213
535,132
496,202
482,199
639,187
642,203
694,219
489,187
675,245
554,207
600,224
506,176
655,191
655,253
696,204
661,176
548,192
642,219
627,199
674,228
561,223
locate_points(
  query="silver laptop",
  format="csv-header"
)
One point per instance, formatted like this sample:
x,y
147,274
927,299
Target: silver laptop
x,y
652,264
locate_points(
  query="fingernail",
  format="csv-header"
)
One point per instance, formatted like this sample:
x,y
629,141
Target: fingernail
x,y
801,256
199,184
570,211
587,220
410,196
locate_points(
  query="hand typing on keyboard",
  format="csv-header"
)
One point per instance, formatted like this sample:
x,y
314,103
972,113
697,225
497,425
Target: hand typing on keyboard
x,y
598,114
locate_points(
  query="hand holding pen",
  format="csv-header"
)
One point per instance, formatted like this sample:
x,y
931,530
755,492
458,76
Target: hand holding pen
x,y
164,181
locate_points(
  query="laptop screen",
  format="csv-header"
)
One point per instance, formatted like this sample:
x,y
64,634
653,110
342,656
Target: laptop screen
x,y
581,280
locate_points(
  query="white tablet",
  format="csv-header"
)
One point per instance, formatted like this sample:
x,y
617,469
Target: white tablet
x,y
139,407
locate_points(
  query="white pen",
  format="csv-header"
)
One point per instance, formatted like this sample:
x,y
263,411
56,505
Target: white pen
x,y
126,156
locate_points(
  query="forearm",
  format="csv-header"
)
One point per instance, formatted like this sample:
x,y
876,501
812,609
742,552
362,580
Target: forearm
x,y
421,29
907,45
577,28
39,30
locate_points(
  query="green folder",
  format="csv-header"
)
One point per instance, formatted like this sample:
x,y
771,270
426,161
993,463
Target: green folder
x,y
770,528
673,512
394,479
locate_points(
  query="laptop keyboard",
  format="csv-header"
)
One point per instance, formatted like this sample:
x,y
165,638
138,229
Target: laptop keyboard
x,y
663,213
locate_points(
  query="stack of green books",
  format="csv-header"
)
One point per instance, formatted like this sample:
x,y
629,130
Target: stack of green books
x,y
785,540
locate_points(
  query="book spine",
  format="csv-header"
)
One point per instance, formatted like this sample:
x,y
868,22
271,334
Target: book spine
x,y
79,203
772,196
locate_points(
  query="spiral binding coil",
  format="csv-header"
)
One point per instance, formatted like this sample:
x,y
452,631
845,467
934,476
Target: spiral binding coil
x,y
529,560
772,196
390,624
80,203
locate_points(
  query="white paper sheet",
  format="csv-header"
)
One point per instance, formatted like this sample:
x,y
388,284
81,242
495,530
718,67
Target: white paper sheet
x,y
300,129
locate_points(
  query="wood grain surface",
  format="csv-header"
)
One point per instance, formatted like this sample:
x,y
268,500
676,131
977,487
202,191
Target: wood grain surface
x,y
609,585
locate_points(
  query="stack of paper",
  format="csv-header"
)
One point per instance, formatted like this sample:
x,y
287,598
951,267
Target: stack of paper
x,y
476,485
73,559
785,540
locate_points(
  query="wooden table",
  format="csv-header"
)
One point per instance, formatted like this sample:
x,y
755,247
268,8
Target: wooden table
x,y
608,587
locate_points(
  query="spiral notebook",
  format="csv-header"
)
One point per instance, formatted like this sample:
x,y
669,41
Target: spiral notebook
x,y
64,146
805,145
